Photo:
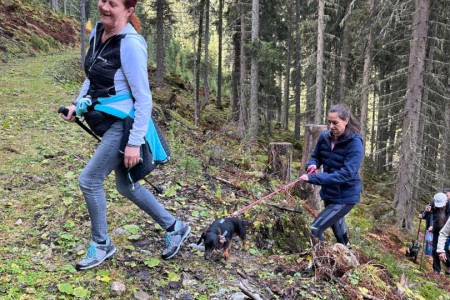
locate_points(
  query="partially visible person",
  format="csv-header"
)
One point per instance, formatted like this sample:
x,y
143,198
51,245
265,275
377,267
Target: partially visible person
x,y
439,212
428,234
117,88
340,151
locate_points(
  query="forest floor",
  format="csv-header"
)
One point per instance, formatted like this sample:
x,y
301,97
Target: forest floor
x,y
44,225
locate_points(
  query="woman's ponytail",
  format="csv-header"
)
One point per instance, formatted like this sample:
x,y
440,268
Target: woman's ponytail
x,y
133,19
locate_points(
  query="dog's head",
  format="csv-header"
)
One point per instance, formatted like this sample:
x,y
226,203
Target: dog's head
x,y
212,241
414,249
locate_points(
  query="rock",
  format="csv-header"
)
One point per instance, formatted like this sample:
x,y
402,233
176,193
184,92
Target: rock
x,y
222,294
201,288
344,256
187,297
143,275
189,282
143,243
199,276
174,284
120,231
37,179
141,295
19,222
79,248
238,296
118,288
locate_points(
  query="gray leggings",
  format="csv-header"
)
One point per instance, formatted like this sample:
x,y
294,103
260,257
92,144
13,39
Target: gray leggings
x,y
332,216
106,159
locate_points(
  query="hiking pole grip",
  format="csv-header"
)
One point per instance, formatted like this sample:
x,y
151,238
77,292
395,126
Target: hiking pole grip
x,y
63,110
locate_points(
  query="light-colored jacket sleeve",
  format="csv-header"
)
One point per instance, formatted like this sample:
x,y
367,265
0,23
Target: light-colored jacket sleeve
x,y
443,235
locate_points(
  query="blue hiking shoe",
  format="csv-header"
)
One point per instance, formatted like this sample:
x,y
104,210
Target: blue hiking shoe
x,y
96,254
175,239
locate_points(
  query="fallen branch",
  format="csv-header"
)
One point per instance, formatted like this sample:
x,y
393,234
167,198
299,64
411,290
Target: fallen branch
x,y
285,209
247,291
370,297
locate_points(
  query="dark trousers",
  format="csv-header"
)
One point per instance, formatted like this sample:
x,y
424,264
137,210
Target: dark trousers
x,y
436,260
332,216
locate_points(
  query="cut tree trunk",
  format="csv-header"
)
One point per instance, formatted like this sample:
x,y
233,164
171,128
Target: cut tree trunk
x,y
312,134
280,160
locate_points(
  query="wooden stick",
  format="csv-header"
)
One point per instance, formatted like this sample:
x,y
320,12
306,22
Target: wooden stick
x,y
247,292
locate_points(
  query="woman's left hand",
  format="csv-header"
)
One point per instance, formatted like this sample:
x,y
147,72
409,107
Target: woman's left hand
x,y
304,177
131,156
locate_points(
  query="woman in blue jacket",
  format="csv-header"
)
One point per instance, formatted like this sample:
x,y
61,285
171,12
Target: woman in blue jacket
x,y
340,151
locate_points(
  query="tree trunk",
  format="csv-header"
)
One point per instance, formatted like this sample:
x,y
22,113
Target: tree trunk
x,y
280,160
206,63
83,31
54,5
445,166
279,95
254,106
243,76
403,200
318,117
298,70
344,61
159,76
382,121
374,130
197,64
421,132
366,76
219,58
287,77
311,136
235,75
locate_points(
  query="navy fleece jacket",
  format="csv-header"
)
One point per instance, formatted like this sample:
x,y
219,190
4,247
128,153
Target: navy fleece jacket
x,y
340,180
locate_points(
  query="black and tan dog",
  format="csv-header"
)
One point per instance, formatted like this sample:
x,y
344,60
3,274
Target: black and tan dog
x,y
413,250
219,234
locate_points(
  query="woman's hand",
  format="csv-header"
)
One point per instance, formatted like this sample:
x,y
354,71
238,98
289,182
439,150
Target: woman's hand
x,y
132,156
70,117
311,169
304,177
443,257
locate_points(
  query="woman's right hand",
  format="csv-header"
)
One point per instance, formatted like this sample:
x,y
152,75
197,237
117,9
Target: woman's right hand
x,y
70,117
311,168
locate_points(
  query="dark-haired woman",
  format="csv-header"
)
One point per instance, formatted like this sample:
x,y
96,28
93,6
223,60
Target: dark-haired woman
x,y
340,152
117,88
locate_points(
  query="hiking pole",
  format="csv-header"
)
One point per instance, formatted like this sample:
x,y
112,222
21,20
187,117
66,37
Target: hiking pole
x,y
63,110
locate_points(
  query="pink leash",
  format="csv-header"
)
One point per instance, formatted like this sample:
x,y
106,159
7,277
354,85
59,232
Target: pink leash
x,y
270,195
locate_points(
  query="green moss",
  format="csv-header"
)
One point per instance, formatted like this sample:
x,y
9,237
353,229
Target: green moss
x,y
39,43
430,291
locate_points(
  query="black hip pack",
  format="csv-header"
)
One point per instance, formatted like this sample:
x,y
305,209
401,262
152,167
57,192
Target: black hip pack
x,y
98,121
147,162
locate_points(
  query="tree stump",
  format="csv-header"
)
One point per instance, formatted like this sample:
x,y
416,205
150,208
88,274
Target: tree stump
x,y
280,160
312,134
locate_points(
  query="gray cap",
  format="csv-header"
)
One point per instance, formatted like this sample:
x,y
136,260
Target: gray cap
x,y
440,199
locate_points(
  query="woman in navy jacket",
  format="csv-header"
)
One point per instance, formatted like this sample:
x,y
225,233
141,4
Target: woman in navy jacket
x,y
340,151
